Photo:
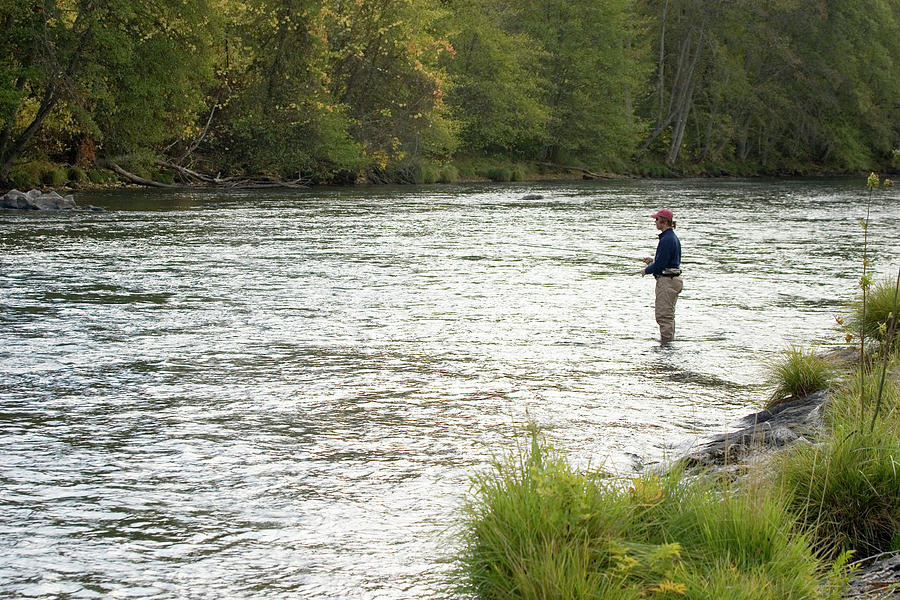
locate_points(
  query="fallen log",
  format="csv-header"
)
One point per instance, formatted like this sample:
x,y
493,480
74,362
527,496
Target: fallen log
x,y
587,172
138,180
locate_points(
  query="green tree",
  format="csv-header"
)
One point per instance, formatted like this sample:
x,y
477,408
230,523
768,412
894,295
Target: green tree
x,y
126,73
385,70
785,84
497,84
278,116
592,67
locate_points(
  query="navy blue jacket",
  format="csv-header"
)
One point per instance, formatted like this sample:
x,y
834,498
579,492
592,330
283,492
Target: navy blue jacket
x,y
668,253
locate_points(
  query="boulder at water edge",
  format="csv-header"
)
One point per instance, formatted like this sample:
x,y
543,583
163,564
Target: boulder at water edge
x,y
36,200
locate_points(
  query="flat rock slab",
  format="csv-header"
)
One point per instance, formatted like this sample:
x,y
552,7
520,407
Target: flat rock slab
x,y
786,423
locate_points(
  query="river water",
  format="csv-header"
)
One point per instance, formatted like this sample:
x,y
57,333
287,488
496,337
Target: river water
x,y
284,394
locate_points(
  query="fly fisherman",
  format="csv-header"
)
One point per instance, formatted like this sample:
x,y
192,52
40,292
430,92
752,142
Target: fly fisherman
x,y
666,268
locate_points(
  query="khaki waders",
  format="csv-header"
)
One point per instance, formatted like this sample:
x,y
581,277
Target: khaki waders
x,y
667,290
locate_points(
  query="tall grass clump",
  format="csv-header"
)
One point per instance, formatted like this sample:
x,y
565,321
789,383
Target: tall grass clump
x,y
846,489
500,174
536,529
797,373
448,174
873,319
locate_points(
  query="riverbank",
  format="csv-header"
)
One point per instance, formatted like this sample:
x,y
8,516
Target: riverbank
x,y
53,176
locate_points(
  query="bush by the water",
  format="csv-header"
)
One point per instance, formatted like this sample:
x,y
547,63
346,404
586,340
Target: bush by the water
x,y
78,175
55,177
536,529
500,174
27,175
448,174
798,373
846,488
101,176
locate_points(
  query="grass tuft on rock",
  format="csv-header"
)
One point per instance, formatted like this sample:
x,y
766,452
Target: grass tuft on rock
x,y
798,373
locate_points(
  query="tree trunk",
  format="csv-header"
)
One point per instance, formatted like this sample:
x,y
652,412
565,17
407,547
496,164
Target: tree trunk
x,y
681,102
660,85
11,153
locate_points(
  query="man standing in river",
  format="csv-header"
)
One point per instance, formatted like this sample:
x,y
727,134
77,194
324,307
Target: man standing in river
x,y
666,268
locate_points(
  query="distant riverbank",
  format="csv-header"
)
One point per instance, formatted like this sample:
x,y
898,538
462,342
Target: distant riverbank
x,y
46,175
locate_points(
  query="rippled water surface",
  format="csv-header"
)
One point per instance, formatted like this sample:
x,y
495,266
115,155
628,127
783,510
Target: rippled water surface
x,y
283,395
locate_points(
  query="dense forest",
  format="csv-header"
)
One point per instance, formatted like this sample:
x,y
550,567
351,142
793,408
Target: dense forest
x,y
339,91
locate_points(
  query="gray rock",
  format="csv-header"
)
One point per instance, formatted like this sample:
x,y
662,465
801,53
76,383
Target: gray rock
x,y
877,577
14,199
52,201
36,200
784,424
532,197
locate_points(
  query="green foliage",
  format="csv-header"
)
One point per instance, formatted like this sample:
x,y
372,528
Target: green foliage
x,y
497,83
101,176
127,73
798,373
160,176
500,174
593,64
425,173
517,173
793,86
448,174
537,529
327,90
27,175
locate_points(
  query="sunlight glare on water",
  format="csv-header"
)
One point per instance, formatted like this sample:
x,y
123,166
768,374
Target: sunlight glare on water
x,y
284,394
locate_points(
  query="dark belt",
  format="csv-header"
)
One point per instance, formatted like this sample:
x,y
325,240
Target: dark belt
x,y
670,273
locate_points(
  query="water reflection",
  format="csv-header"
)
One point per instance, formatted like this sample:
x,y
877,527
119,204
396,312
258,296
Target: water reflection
x,y
284,394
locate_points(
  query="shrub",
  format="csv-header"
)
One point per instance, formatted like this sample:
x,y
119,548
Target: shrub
x,y
798,373
517,173
166,177
449,174
425,173
78,175
501,174
101,176
55,177
25,176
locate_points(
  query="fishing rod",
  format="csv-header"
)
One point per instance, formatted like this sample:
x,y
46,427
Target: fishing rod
x,y
575,250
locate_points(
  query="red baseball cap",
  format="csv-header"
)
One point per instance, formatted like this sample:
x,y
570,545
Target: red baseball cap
x,y
664,213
